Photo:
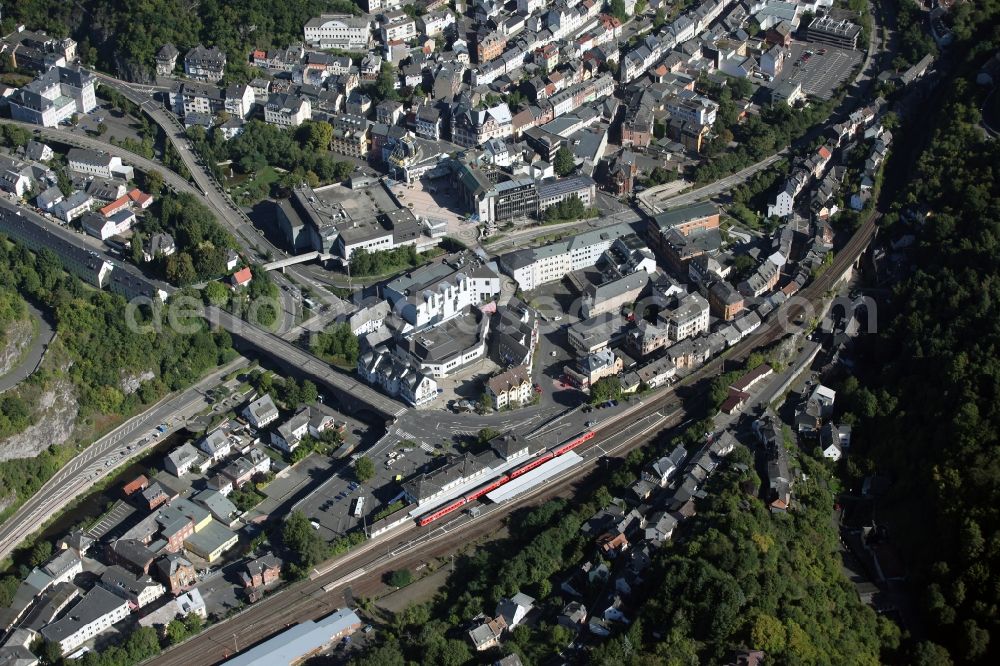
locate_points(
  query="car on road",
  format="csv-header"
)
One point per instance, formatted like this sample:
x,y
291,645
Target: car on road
x,y
590,424
538,388
554,353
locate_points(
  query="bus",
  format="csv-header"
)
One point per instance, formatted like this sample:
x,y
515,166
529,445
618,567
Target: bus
x,y
359,504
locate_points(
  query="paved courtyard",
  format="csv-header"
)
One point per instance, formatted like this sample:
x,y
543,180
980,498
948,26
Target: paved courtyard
x,y
437,200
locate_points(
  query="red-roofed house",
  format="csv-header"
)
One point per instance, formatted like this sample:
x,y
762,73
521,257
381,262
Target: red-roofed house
x,y
118,204
135,485
241,278
611,23
140,198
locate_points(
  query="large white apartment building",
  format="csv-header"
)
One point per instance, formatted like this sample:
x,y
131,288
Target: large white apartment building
x,y
438,292
338,31
533,267
96,612
54,97
94,163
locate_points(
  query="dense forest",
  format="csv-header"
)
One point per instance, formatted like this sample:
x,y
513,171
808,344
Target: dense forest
x,y
115,369
930,399
123,36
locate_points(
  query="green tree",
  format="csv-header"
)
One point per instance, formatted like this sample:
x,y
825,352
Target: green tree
x,y
606,388
176,632
215,293
564,162
385,84
315,135
309,394
364,469
40,553
486,434
307,548
154,182
400,578
618,10
768,634
180,269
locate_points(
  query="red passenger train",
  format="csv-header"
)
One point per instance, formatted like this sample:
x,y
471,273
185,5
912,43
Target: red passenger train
x,y
541,459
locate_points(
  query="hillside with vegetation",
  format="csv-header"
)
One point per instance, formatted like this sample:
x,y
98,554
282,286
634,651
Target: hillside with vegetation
x,y
928,399
123,36
107,368
734,576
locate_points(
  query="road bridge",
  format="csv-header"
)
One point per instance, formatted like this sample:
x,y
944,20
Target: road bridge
x,y
349,391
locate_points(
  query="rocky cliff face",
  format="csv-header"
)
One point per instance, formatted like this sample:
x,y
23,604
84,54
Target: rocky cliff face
x,y
16,340
56,421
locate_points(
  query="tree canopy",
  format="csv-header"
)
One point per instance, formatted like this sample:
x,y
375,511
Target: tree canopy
x,y
927,400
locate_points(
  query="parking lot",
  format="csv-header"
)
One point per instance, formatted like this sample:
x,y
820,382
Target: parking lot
x,y
330,506
822,72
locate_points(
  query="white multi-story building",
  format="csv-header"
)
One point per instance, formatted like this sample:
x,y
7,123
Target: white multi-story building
x,y
338,31
396,377
438,292
96,612
261,412
556,191
287,110
139,591
93,163
533,267
180,461
689,318
509,388
690,107
289,434
398,25
54,97
378,6
435,23
528,7
205,64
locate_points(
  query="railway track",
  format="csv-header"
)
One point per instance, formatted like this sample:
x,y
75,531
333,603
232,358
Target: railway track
x,y
359,572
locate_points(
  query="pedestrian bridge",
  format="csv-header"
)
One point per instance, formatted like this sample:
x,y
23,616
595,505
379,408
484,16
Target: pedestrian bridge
x,y
297,259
